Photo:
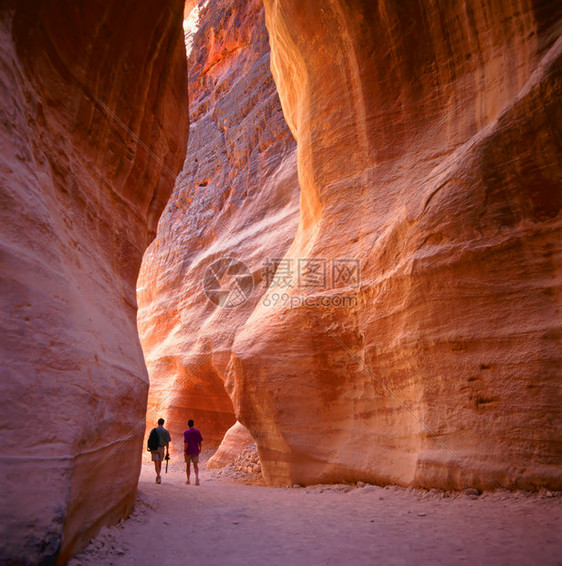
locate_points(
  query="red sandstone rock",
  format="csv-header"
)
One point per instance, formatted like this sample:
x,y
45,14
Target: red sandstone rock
x,y
236,439
236,197
428,149
93,130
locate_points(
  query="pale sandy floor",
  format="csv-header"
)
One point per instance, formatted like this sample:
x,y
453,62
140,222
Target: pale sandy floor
x,y
223,522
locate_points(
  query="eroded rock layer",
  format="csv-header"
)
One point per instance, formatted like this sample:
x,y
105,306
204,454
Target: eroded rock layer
x,y
429,154
236,199
93,130
235,441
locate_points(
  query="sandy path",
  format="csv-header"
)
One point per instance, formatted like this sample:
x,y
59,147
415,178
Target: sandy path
x,y
226,523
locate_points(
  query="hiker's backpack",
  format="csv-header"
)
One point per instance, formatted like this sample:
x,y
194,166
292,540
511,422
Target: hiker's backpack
x,y
153,440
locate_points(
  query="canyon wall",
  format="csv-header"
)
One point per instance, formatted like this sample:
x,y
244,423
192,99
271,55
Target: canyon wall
x,y
235,200
93,131
421,340
407,329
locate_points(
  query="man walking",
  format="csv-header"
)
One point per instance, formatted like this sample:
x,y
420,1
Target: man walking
x,y
192,440
164,440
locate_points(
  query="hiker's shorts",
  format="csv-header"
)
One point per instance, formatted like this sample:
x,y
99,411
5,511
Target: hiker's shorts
x,y
191,458
157,455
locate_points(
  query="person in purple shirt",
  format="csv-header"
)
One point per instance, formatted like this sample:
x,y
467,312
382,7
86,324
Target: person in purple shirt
x,y
192,440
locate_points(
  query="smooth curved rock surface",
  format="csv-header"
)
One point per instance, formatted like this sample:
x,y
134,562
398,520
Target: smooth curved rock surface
x,y
236,439
237,197
93,130
429,149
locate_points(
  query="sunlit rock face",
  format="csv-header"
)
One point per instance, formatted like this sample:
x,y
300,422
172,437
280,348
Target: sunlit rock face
x,y
237,197
93,130
236,439
429,150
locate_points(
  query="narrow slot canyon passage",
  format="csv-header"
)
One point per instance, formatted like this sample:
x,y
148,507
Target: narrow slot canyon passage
x,y
327,232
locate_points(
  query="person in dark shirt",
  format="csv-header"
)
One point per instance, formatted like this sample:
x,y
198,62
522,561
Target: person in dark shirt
x,y
158,455
192,440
